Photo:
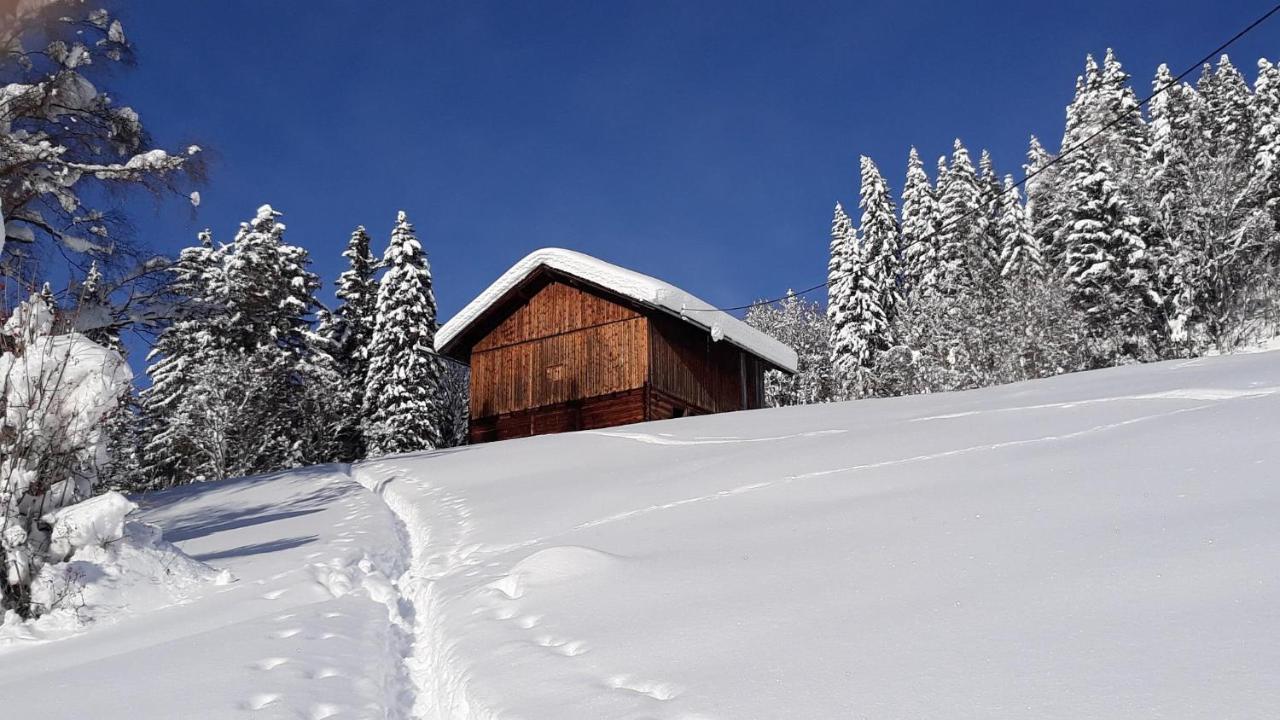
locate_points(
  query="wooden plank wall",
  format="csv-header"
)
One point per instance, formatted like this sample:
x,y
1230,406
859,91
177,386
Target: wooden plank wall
x,y
689,366
563,344
600,412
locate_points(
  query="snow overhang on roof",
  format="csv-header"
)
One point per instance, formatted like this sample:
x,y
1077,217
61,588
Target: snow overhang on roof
x,y
647,291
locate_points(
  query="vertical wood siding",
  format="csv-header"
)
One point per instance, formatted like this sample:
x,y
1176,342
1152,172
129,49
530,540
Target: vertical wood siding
x,y
689,366
563,344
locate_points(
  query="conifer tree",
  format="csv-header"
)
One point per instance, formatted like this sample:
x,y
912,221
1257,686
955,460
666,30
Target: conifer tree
x,y
960,230
1044,207
919,228
402,389
850,303
1108,269
169,406
881,240
1124,144
1265,180
1228,121
1168,185
349,330
985,257
241,382
840,271
1020,255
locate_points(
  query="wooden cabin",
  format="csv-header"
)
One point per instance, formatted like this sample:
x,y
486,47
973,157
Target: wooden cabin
x,y
563,341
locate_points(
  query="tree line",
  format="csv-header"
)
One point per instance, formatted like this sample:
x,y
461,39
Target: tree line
x,y
1152,235
254,374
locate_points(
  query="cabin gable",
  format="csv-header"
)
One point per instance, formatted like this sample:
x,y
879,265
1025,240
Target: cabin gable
x,y
562,344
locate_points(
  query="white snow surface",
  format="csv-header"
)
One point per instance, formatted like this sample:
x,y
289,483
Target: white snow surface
x,y
1099,545
644,289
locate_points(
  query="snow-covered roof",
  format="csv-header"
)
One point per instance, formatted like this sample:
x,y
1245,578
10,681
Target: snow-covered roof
x,y
646,290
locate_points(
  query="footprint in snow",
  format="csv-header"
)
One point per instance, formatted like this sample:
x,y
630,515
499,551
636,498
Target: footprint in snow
x,y
286,633
261,700
270,663
657,691
323,711
568,648
275,594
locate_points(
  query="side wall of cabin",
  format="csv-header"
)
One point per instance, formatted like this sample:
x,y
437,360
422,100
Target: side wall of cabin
x,y
691,374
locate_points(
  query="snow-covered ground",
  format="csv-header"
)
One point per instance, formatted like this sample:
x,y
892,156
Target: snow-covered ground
x,y
1101,545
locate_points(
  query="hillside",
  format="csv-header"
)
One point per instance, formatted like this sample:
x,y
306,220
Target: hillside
x,y
1096,545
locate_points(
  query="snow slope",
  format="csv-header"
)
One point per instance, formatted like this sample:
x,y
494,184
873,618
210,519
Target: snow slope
x,y
305,631
1101,545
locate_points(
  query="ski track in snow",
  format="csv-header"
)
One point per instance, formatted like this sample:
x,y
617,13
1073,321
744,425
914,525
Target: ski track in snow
x,y
667,439
767,484
1185,394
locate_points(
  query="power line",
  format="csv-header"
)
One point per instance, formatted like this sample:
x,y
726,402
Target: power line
x,y
1061,154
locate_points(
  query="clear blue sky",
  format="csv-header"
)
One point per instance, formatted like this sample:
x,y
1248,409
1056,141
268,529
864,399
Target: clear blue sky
x,y
700,142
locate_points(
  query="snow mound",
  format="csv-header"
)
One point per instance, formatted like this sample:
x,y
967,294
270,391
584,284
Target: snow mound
x,y
647,290
552,566
96,521
113,568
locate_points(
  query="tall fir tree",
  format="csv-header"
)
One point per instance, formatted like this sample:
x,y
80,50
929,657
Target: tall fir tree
x,y
919,228
840,283
1265,181
1020,254
401,403
881,240
1168,189
1044,203
241,382
985,257
350,330
1108,269
170,412
961,232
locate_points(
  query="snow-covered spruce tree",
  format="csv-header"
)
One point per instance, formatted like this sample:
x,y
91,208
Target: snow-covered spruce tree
x,y
1108,270
66,142
1044,204
985,259
862,280
402,392
58,391
1265,183
1020,255
170,407
270,298
1168,193
1028,329
1233,222
961,231
804,327
919,228
350,329
881,241
241,383
1124,145
840,279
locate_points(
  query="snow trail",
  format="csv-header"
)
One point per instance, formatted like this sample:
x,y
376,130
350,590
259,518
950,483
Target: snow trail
x,y
435,533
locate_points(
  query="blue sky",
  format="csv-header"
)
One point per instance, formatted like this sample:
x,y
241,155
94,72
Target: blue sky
x,y
701,142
